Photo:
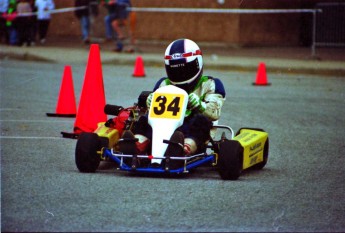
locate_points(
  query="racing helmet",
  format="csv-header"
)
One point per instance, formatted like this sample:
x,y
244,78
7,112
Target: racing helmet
x,y
183,63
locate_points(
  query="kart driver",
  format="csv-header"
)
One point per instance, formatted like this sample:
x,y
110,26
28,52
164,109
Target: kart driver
x,y
206,95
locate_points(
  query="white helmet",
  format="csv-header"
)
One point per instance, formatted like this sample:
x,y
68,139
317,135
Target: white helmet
x,y
183,62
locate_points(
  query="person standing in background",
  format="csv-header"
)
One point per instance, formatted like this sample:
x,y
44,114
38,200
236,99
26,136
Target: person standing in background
x,y
43,17
83,16
34,22
3,10
110,6
10,16
119,20
87,7
24,23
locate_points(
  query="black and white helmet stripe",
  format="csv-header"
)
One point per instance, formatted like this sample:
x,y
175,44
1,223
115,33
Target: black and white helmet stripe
x,y
183,61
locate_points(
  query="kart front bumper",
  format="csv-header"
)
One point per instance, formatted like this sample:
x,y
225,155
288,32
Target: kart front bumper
x,y
190,162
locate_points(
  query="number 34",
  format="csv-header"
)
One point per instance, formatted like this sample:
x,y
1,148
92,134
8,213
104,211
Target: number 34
x,y
166,106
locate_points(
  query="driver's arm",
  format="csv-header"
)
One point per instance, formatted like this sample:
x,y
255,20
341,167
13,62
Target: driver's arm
x,y
213,104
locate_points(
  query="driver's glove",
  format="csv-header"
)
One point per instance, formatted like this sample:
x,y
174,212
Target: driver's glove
x,y
194,102
149,100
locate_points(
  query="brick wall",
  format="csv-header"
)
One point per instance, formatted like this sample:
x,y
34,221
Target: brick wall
x,y
231,29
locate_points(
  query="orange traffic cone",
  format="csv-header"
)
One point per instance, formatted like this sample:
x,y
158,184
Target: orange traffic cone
x,y
92,99
261,76
66,106
139,70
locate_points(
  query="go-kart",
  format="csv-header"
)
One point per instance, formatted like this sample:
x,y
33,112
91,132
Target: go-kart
x,y
228,152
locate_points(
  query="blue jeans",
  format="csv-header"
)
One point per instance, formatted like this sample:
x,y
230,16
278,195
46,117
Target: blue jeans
x,y
85,27
109,32
13,36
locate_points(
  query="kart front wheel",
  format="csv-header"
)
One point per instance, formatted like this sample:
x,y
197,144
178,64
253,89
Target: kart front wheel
x,y
230,160
86,157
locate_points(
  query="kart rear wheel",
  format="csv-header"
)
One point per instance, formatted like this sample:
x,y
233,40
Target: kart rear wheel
x,y
230,160
86,157
262,164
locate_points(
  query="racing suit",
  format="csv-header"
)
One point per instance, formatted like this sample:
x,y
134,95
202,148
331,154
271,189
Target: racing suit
x,y
211,92
198,122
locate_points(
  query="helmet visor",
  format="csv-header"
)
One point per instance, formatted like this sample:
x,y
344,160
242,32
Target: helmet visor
x,y
179,71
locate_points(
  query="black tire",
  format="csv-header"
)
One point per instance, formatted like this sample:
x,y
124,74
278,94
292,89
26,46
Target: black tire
x,y
86,157
262,164
230,160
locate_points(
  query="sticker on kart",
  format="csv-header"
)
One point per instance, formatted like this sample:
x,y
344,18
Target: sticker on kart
x,y
166,105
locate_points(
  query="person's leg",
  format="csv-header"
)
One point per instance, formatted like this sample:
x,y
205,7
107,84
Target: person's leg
x,y
109,32
43,30
2,30
33,30
197,132
13,35
20,30
27,31
116,26
85,28
39,29
119,20
46,27
143,132
132,24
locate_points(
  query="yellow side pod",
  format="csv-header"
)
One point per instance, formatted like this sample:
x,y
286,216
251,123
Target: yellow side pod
x,y
253,143
110,133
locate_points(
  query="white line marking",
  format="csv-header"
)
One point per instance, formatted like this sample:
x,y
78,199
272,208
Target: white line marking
x,y
9,109
37,121
50,213
22,83
29,137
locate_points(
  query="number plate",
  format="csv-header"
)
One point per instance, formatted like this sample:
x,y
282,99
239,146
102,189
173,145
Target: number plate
x,y
166,105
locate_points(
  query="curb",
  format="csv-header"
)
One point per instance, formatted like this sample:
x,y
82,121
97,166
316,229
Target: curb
x,y
285,66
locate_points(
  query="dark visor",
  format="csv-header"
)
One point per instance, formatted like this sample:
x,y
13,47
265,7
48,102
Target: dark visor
x,y
180,71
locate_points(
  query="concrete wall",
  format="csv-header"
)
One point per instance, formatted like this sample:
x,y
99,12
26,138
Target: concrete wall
x,y
230,29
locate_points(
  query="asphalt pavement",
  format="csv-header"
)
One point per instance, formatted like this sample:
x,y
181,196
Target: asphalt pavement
x,y
301,189
284,59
